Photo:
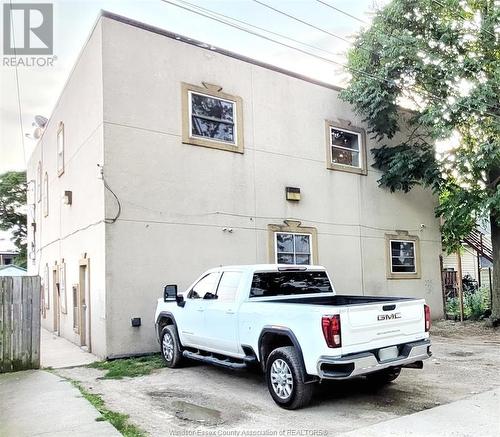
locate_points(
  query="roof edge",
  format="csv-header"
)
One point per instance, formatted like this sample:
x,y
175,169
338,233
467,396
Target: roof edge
x,y
211,48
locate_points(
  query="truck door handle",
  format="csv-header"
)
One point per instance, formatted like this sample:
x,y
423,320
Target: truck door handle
x,y
200,309
229,312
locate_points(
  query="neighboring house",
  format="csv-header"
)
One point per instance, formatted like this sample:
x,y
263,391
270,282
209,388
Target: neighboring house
x,y
165,156
7,257
476,258
12,270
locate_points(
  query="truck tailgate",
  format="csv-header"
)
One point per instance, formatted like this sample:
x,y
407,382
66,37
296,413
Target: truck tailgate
x,y
382,324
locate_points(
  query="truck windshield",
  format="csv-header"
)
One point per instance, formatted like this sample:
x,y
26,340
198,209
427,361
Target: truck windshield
x,y
266,284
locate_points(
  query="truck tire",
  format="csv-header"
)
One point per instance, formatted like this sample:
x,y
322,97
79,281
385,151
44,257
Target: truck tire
x,y
284,376
170,346
385,376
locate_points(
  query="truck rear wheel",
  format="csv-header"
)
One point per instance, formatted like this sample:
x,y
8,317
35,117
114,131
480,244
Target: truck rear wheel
x,y
170,346
284,375
385,376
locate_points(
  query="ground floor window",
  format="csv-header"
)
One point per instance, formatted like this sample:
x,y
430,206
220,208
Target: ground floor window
x,y
403,256
292,243
293,248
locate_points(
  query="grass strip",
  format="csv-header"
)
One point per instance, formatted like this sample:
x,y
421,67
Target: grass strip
x,y
129,367
118,420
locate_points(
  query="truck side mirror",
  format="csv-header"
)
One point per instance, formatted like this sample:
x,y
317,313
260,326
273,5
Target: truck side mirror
x,y
170,293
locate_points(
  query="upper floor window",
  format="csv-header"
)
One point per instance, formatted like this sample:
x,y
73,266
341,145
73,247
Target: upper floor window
x,y
212,118
403,256
45,195
346,149
38,187
60,149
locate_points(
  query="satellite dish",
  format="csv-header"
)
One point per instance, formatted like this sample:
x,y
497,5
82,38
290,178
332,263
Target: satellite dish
x,y
41,121
38,133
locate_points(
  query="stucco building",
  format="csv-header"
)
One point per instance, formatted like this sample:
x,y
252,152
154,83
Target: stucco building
x,y
165,157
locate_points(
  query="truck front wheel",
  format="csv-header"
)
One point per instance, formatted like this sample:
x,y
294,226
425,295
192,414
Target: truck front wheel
x,y
170,346
284,375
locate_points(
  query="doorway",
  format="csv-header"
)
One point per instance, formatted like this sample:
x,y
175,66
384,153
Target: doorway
x,y
56,310
84,304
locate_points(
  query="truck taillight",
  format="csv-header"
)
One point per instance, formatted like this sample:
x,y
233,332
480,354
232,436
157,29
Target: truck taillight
x,y
331,330
427,313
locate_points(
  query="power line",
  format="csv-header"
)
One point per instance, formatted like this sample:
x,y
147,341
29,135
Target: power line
x,y
342,12
430,95
461,16
279,11
18,88
257,27
273,40
361,72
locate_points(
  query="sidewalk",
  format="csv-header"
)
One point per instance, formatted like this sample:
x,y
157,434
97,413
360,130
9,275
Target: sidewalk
x,y
478,415
57,352
37,402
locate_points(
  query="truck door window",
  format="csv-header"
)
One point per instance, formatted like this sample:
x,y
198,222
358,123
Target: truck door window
x,y
203,286
228,286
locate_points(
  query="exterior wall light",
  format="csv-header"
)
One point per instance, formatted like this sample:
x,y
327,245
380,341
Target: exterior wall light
x,y
293,194
68,197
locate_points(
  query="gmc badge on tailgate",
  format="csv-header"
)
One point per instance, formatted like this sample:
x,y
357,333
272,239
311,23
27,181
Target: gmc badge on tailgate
x,y
392,316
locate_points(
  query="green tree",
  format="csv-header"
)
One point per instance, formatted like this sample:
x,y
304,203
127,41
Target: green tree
x,y
12,210
443,57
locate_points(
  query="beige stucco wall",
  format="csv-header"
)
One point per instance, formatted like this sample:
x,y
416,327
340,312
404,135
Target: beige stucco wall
x,y
70,232
177,198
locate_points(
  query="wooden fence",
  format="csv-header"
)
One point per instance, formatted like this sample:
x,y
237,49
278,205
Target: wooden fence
x,y
19,323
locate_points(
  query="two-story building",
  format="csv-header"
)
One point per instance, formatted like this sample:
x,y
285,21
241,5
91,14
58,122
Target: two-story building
x,y
165,156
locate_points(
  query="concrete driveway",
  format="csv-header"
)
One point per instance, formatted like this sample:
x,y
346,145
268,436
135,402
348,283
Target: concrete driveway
x,y
203,400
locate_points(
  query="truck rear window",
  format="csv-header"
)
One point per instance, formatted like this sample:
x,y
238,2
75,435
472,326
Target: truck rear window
x,y
267,284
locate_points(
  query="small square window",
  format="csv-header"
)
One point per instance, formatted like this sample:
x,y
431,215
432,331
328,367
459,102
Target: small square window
x,y
293,248
403,257
212,118
345,148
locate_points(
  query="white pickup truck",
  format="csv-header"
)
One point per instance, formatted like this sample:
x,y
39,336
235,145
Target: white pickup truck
x,y
288,321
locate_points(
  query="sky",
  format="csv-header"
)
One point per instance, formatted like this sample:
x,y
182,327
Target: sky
x,y
40,87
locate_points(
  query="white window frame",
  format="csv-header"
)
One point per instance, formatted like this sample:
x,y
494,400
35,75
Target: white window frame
x,y
45,195
401,240
335,146
311,250
60,152
346,127
235,118
39,182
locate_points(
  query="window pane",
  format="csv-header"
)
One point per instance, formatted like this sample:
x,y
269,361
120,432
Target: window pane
x,y
213,129
285,258
345,139
403,256
302,259
288,283
204,285
302,244
346,157
228,286
212,107
284,243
